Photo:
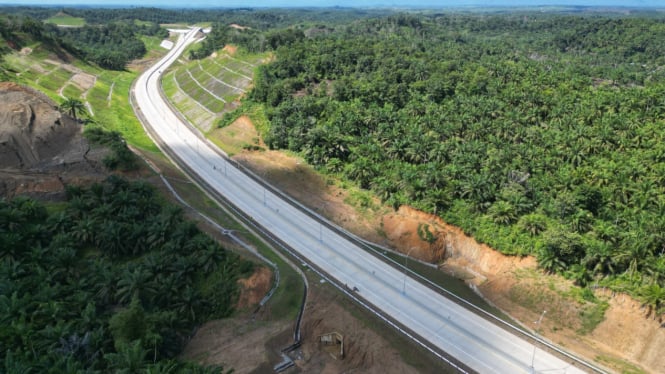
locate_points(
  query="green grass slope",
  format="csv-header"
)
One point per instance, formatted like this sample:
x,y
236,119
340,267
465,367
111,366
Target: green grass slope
x,y
204,90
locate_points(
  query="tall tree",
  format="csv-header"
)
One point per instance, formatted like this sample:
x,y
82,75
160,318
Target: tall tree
x,y
74,107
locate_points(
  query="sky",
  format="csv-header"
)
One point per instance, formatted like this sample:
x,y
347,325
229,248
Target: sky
x,y
343,3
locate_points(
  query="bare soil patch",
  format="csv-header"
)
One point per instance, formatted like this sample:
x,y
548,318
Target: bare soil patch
x,y
238,343
365,351
230,49
254,288
251,343
36,138
83,80
236,26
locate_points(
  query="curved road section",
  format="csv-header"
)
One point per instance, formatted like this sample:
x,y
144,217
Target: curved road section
x,y
474,341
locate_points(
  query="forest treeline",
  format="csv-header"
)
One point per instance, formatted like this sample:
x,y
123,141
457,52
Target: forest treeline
x,y
113,280
537,134
111,46
256,18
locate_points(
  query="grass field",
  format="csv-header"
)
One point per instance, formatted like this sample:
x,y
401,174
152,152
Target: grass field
x,y
54,80
72,92
62,19
152,46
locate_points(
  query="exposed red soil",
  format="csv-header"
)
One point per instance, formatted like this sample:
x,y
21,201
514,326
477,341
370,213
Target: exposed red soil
x,y
254,288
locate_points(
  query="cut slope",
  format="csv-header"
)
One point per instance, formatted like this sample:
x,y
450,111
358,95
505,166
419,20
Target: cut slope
x,y
32,132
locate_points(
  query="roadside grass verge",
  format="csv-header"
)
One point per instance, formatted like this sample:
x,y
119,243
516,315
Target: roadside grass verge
x,y
117,114
152,46
232,138
567,306
449,283
189,108
619,365
224,76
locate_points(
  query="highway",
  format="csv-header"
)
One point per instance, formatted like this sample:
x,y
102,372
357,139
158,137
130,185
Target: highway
x,y
473,340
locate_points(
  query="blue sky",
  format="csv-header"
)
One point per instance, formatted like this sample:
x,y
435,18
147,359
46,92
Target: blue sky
x,y
347,3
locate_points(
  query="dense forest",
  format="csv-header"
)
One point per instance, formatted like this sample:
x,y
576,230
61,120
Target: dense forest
x,y
110,46
537,134
113,280
11,26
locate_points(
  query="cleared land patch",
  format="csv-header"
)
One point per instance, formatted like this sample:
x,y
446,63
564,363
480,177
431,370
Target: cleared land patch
x,y
63,19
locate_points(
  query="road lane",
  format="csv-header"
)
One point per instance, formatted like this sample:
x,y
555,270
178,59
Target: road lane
x,y
476,342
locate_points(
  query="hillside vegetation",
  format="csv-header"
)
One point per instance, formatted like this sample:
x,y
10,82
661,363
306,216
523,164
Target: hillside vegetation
x,y
537,134
111,45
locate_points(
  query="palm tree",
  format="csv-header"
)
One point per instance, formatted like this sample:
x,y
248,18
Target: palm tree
x,y
579,274
188,302
502,212
534,223
58,223
73,107
85,230
549,261
653,298
129,358
104,281
135,281
110,239
600,259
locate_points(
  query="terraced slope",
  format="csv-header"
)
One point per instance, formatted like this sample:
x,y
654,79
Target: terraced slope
x,y
203,90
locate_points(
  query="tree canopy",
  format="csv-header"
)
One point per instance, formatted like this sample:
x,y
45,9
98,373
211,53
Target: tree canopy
x,y
537,134
114,280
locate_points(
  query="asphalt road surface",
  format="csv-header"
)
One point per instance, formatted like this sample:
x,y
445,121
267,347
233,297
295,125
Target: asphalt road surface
x,y
478,343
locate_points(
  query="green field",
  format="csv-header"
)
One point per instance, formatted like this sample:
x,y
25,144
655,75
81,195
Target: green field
x,y
62,19
71,91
